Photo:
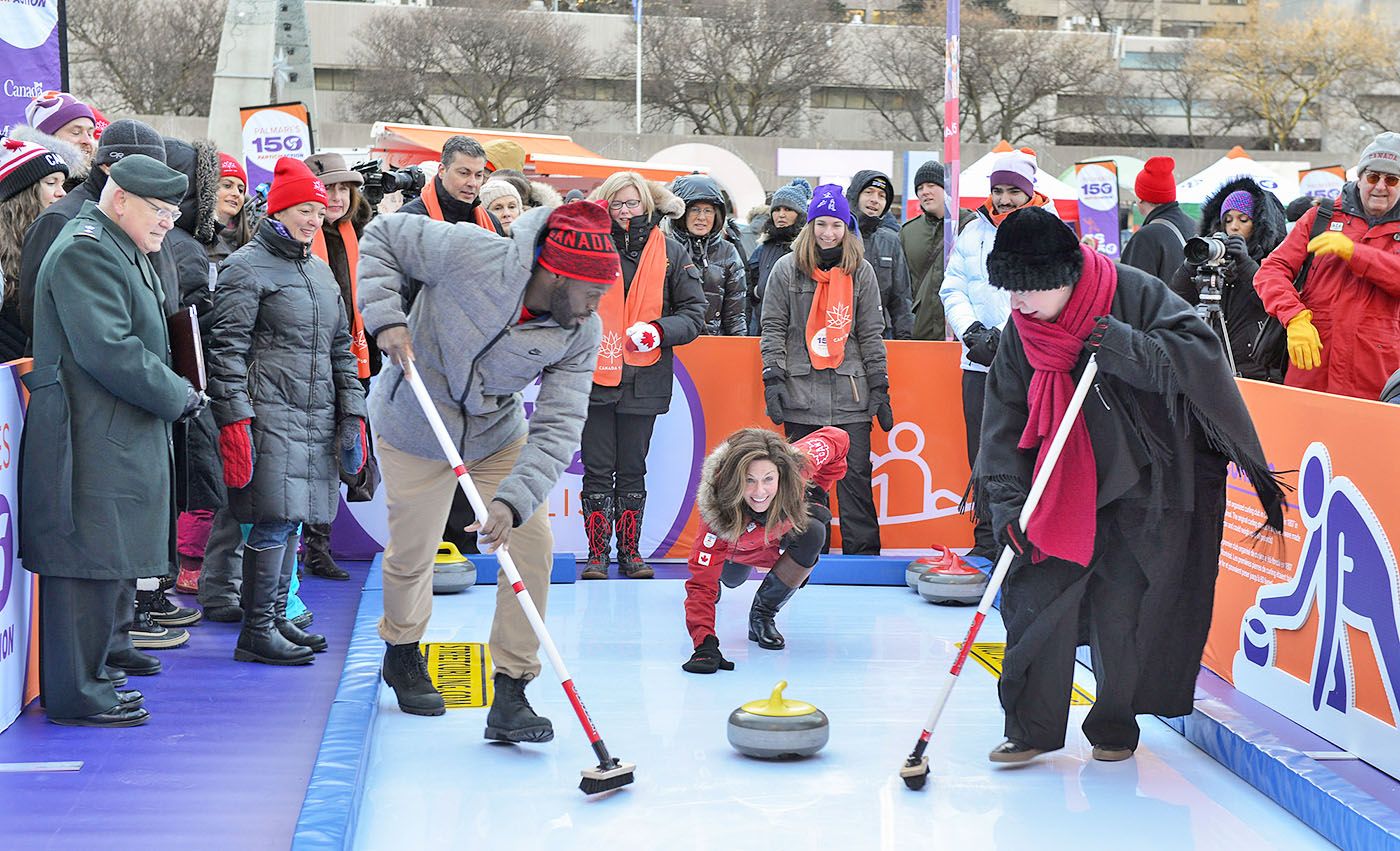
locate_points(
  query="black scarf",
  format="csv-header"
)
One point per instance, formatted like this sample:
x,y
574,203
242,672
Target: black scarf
x,y
454,210
773,233
829,258
868,225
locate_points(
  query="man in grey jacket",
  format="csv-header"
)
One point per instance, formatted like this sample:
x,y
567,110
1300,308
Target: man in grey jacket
x,y
494,314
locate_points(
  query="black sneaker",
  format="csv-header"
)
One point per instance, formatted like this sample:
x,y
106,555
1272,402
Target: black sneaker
x,y
406,672
146,634
166,613
512,719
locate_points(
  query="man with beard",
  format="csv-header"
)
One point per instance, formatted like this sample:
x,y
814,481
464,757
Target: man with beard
x,y
494,314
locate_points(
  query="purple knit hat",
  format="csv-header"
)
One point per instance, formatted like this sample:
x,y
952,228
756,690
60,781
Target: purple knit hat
x,y
830,200
48,112
1241,202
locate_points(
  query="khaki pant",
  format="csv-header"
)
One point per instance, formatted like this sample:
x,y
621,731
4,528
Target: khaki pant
x,y
418,492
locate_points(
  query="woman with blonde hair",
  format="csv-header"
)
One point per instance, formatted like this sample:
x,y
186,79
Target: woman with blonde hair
x,y
660,305
824,353
755,513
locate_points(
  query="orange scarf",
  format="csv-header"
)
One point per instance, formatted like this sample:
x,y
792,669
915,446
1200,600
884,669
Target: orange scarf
x,y
641,304
829,320
430,200
358,346
1039,199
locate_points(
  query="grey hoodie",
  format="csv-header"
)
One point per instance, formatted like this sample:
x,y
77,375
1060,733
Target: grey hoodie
x,y
471,350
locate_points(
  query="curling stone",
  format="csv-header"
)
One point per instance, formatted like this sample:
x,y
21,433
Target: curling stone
x,y
452,571
951,580
777,728
919,566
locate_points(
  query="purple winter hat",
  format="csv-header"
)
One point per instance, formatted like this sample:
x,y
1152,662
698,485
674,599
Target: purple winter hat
x,y
1240,201
829,199
48,112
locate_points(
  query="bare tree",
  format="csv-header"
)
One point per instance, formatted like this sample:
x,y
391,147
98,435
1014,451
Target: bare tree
x,y
1281,72
1134,16
909,60
742,70
148,57
473,64
1184,89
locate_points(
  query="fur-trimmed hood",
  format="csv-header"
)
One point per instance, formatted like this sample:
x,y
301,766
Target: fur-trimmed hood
x,y
1270,222
198,161
543,195
792,461
668,205
67,151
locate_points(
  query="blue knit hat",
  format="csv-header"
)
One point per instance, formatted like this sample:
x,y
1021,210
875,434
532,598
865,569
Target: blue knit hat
x,y
795,195
1241,202
830,200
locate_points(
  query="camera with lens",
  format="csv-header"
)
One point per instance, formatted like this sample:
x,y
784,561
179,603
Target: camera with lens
x,y
378,182
1206,250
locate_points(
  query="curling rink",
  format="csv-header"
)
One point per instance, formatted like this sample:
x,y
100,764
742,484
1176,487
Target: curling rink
x,y
870,657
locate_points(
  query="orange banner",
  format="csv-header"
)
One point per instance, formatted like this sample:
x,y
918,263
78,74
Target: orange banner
x,y
1307,623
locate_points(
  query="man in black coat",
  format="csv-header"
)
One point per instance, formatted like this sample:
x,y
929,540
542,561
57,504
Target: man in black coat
x,y
1127,535
1157,246
870,195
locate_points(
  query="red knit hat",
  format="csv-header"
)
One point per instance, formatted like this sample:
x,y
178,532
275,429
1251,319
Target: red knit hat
x,y
230,167
579,244
1156,183
292,184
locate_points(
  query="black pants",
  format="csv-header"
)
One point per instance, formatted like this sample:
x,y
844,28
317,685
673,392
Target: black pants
x,y
615,450
860,525
126,615
1041,609
974,398
77,618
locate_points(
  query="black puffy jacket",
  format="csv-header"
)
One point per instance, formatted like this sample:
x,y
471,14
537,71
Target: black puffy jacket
x,y
279,355
1244,312
716,259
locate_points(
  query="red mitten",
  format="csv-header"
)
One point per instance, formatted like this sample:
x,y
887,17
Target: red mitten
x,y
643,337
236,450
826,450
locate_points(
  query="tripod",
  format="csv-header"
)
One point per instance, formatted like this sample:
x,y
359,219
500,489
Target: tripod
x,y
1210,310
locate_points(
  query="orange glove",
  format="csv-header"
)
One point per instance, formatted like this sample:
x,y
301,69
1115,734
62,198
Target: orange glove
x,y
1304,344
1332,242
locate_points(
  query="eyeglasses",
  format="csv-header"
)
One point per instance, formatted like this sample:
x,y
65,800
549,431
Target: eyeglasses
x,y
1374,177
161,213
625,205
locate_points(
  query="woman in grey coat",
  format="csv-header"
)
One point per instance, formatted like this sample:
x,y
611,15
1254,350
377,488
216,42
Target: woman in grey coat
x,y
288,401
826,366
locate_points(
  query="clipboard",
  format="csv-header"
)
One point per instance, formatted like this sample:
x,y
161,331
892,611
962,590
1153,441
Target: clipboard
x,y
186,346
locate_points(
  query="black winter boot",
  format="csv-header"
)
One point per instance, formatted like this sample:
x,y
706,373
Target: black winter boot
x,y
165,612
767,600
707,659
145,633
630,507
289,630
511,718
406,672
259,640
316,539
599,511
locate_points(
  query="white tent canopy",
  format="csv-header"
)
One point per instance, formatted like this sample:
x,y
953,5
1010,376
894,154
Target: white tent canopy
x,y
1280,178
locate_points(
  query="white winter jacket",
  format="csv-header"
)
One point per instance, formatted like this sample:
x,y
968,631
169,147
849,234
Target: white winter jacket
x,y
967,294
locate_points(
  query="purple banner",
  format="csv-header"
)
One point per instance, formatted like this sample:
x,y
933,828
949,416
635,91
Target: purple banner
x,y
31,55
1098,206
952,130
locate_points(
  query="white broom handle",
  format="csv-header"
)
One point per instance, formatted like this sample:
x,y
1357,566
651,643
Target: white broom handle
x,y
479,506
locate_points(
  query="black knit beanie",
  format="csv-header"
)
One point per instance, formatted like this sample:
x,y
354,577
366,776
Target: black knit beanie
x,y
1034,251
929,172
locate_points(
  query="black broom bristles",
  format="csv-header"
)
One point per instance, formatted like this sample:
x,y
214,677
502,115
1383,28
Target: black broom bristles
x,y
607,776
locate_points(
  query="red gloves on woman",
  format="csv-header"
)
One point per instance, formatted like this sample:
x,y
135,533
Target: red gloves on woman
x,y
236,450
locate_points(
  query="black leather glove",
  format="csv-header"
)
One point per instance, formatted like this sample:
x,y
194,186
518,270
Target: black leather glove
x,y
880,406
1244,266
982,343
1010,535
195,403
774,394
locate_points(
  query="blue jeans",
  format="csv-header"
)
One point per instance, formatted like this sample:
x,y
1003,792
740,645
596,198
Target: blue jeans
x,y
268,533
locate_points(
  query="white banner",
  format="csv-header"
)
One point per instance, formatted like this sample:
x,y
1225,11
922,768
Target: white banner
x,y
14,581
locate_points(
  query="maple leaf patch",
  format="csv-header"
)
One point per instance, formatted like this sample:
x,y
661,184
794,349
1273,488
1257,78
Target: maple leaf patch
x,y
610,347
838,316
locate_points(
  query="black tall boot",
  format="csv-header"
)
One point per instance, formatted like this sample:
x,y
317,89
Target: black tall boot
x,y
512,719
599,511
770,597
289,630
316,538
259,640
630,507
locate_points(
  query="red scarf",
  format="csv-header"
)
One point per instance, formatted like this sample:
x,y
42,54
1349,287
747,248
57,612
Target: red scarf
x,y
1063,524
358,346
829,319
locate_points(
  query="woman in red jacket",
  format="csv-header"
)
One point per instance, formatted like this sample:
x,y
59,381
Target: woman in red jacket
x,y
754,512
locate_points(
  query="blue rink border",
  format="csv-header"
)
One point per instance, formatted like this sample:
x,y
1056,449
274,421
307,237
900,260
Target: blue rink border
x,y
1267,751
